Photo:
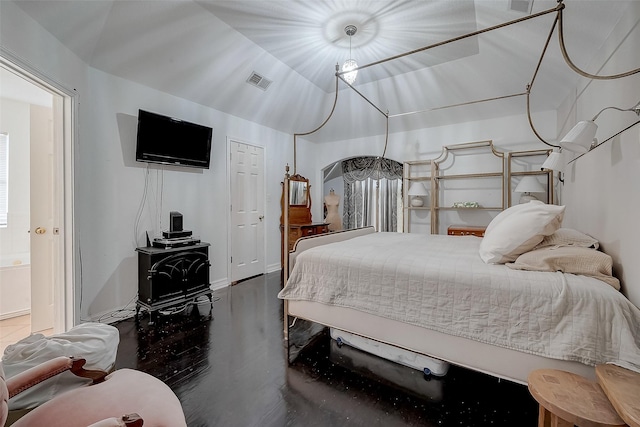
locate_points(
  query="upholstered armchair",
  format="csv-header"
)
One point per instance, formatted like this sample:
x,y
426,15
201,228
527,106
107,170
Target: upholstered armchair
x,y
125,397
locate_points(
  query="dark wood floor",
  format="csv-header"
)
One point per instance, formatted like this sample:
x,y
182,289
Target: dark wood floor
x,y
228,368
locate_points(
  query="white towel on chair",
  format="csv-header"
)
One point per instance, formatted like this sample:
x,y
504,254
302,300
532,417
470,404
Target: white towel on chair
x,y
97,343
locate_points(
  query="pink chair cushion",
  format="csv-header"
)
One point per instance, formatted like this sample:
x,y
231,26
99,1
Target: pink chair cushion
x,y
124,391
4,397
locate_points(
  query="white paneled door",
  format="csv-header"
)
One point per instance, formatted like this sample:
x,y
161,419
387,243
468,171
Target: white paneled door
x,y
247,210
42,232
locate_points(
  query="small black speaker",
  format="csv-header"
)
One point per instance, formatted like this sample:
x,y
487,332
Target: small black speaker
x,y
175,221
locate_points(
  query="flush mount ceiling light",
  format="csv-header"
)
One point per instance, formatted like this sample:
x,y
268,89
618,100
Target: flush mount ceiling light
x,y
350,64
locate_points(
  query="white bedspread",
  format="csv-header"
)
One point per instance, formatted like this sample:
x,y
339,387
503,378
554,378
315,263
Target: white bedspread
x,y
439,282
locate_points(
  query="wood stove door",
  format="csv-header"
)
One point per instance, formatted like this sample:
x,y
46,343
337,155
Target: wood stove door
x,y
178,276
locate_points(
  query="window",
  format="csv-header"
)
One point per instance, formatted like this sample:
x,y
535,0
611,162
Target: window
x,y
4,178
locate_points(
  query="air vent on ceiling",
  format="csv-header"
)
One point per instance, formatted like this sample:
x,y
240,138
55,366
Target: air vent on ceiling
x,y
257,80
523,6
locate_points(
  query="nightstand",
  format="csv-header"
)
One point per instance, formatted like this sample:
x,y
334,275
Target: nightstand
x,y
466,230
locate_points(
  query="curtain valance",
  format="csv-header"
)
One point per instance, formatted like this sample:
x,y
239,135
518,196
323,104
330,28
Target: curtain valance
x,y
361,168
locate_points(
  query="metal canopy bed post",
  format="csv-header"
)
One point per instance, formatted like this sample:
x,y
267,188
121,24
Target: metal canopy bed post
x,y
339,75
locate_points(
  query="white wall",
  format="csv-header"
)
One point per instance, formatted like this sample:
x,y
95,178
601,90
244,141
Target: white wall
x,y
508,134
110,199
109,183
22,37
602,188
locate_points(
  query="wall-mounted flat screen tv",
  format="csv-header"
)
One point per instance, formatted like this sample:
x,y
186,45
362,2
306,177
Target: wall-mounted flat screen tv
x,y
171,141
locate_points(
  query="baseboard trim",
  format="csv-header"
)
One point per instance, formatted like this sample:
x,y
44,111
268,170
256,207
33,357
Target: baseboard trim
x,y
108,318
15,314
219,284
274,267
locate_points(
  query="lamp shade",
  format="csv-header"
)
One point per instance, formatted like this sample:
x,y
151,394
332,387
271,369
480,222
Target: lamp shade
x,y
529,184
554,162
417,189
579,138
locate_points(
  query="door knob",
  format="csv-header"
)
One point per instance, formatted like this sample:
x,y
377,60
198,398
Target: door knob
x,y
41,230
261,217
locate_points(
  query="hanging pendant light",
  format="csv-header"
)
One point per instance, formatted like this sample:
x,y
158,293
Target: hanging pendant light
x,y
350,64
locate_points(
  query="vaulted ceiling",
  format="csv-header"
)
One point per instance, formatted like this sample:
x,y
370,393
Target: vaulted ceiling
x,y
205,50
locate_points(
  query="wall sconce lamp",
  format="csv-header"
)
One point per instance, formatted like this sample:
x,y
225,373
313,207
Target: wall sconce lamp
x,y
527,185
554,162
417,190
581,138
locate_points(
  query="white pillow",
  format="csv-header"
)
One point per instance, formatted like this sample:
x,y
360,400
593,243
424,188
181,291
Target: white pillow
x,y
519,229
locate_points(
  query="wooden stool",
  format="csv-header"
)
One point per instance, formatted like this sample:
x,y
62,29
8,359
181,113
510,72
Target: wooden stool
x,y
622,387
568,399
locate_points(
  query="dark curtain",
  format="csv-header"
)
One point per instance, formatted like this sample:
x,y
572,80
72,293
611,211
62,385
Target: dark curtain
x,y
372,188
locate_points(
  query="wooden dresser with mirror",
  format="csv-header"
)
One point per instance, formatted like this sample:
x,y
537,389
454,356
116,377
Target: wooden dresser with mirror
x,y
300,223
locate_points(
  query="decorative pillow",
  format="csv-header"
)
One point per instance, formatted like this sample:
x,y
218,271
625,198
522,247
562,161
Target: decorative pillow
x,y
569,259
519,229
569,237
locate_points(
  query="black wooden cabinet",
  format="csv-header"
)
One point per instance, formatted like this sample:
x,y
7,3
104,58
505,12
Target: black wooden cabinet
x,y
172,276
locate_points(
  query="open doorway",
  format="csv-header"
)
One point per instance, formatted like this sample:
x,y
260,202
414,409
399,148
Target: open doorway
x,y
35,128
